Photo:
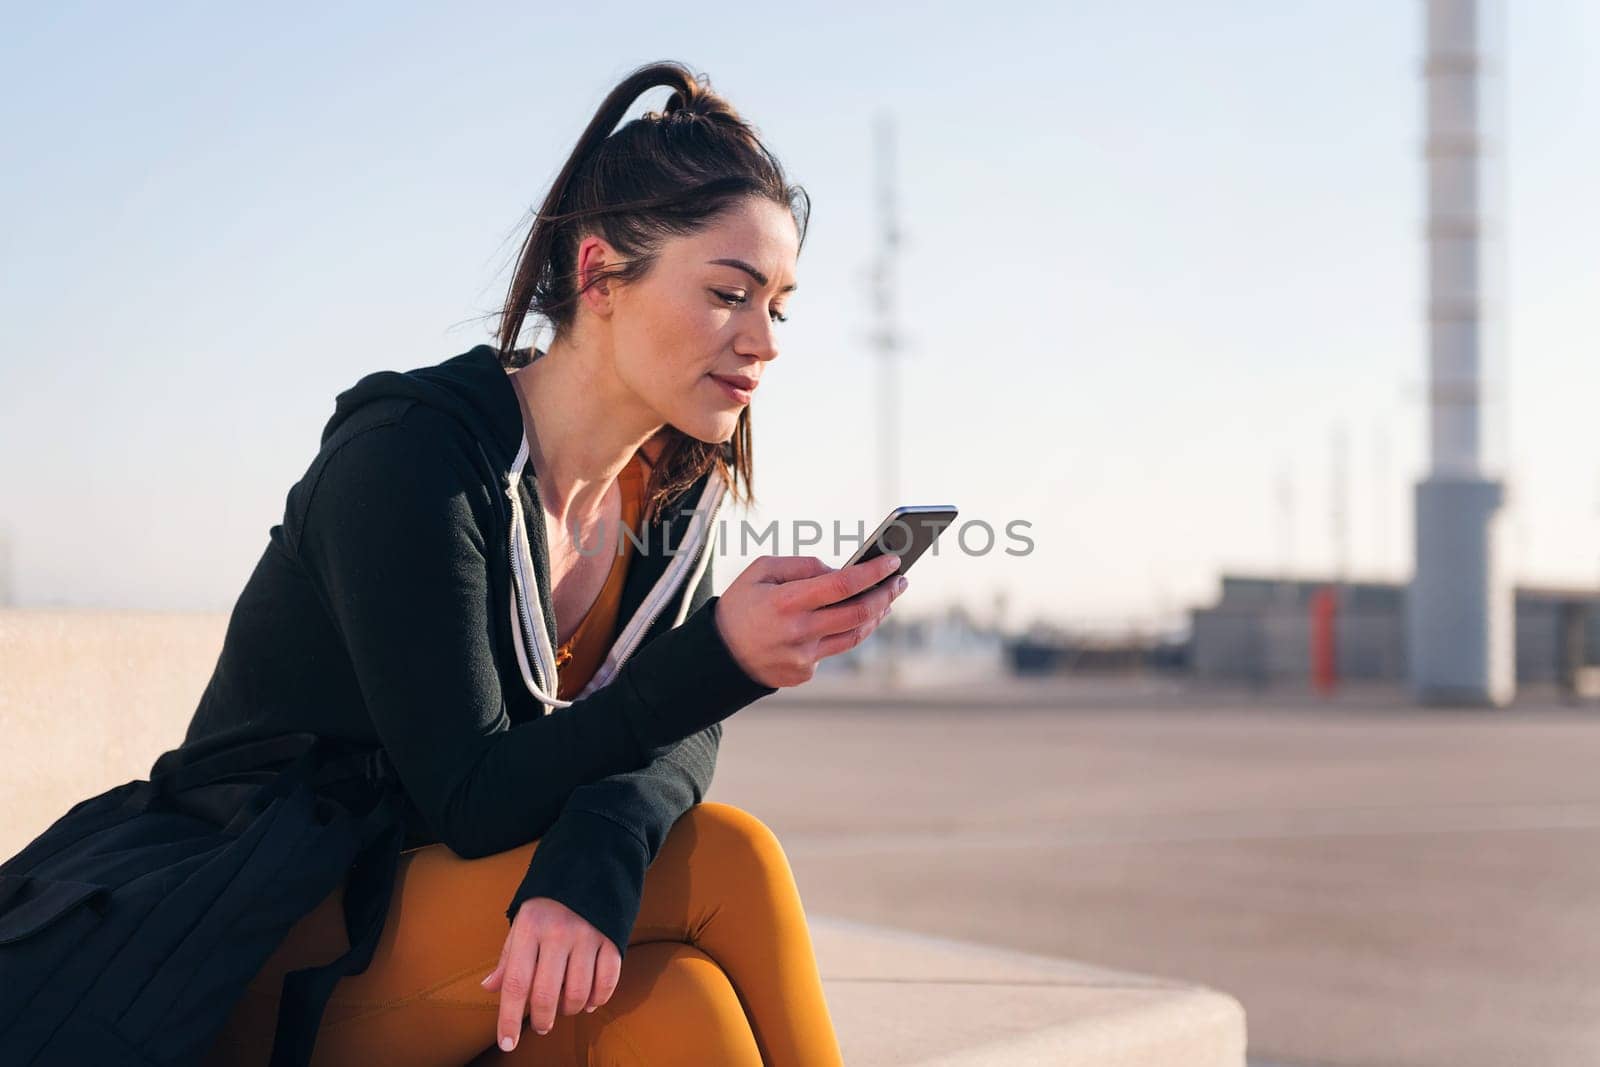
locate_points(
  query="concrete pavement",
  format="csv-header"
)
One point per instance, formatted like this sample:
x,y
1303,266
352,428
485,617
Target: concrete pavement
x,y
1379,885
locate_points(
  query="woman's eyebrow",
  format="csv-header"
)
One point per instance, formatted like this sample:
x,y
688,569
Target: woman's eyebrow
x,y
761,279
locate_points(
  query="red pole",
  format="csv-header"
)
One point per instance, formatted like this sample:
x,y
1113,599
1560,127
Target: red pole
x,y
1324,648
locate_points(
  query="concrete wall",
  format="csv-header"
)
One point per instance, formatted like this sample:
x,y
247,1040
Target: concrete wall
x,y
89,699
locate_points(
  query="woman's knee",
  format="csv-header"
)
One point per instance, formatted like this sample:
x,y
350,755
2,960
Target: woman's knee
x,y
674,1005
737,839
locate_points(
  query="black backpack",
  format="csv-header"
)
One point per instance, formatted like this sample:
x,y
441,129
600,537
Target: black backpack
x,y
131,927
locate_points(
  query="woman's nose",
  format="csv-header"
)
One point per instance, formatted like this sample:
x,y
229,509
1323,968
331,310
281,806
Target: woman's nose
x,y
763,343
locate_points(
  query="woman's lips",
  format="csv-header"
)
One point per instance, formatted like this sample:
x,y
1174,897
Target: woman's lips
x,y
737,393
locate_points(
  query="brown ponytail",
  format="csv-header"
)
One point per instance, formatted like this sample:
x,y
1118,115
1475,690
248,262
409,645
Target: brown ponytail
x,y
667,173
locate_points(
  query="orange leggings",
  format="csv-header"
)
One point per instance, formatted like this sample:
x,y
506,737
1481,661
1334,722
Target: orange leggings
x,y
720,967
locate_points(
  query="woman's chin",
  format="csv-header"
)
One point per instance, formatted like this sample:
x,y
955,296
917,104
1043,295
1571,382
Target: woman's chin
x,y
712,427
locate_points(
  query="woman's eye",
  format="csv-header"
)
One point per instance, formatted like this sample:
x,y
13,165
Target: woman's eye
x,y
735,299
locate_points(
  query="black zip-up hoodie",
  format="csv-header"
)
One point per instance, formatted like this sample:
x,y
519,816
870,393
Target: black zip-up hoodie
x,y
404,600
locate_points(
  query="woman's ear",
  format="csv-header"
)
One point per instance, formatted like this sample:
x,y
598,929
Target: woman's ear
x,y
595,255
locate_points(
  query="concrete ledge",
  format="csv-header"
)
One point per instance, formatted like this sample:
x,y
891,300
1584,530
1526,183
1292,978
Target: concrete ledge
x,y
904,998
88,699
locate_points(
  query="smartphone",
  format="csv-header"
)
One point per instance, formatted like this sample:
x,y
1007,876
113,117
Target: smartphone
x,y
908,531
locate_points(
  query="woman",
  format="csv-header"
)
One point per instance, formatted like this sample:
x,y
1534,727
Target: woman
x,y
498,569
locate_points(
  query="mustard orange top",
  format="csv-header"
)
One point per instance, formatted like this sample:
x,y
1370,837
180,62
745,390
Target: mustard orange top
x,y
581,654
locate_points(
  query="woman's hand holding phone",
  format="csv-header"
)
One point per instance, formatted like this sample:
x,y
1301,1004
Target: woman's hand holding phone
x,y
783,614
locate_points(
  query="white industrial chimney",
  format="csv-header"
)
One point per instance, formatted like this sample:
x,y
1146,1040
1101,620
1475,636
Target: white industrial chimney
x,y
1461,610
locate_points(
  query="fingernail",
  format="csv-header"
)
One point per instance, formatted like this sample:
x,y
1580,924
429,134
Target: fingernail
x,y
541,1033
485,979
900,584
591,1009
507,1044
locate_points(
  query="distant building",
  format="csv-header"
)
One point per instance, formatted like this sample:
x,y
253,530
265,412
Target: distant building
x,y
1259,630
1062,651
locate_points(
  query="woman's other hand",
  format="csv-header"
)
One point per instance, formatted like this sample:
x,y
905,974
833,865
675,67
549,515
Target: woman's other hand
x,y
783,614
552,958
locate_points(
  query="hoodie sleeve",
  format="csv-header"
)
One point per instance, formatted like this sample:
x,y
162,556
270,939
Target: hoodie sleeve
x,y
392,536
595,857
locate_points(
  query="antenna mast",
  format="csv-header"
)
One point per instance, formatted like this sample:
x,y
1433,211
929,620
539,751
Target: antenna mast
x,y
886,342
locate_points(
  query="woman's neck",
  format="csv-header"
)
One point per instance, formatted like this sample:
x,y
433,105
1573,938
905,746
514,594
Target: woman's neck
x,y
583,426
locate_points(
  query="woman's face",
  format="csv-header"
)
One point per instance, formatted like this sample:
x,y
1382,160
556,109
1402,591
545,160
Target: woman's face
x,y
699,324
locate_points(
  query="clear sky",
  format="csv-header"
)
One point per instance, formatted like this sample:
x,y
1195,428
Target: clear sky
x,y
1157,253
